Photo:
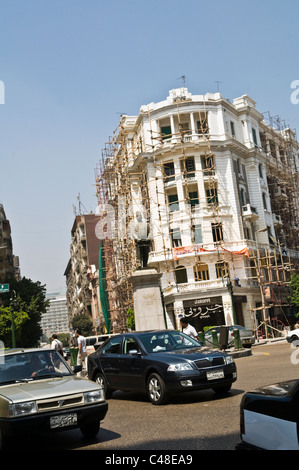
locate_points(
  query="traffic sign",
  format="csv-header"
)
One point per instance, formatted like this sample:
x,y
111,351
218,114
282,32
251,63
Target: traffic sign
x,y
4,288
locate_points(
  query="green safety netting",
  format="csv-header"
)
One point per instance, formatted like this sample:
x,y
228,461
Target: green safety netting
x,y
103,288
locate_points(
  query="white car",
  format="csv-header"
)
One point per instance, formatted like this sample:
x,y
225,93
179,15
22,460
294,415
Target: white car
x,y
293,336
269,417
39,393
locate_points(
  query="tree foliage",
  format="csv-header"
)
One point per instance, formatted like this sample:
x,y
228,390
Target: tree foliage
x,y
83,323
20,318
28,301
294,291
131,319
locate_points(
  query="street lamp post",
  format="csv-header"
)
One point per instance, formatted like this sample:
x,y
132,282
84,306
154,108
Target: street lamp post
x,y
12,302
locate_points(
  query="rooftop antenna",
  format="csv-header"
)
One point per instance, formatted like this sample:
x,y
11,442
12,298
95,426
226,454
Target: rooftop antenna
x,y
217,81
80,205
183,77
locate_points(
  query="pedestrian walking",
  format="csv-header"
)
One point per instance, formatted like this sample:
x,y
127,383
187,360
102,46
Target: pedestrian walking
x,y
188,329
57,345
82,353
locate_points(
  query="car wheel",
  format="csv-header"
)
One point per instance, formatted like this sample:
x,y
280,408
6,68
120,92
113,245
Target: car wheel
x,y
90,430
156,389
101,381
222,389
294,338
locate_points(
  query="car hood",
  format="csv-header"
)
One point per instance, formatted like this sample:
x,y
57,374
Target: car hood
x,y
46,388
191,354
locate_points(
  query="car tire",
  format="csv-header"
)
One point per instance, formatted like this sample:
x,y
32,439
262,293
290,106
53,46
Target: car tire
x,y
90,430
222,389
294,338
100,380
156,389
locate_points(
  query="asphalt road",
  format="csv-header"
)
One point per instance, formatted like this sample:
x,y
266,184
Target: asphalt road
x,y
193,421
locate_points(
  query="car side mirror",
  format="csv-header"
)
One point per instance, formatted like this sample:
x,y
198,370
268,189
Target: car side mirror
x,y
77,369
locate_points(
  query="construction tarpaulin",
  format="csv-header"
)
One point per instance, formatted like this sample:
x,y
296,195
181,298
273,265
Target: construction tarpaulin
x,y
103,288
183,250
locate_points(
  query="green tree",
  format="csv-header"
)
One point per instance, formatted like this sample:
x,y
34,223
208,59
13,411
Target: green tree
x,y
26,297
294,291
131,319
83,323
20,318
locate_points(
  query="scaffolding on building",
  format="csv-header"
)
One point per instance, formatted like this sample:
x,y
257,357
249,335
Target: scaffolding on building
x,y
119,169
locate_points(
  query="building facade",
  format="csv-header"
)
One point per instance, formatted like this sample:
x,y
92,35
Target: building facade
x,y
55,319
205,191
9,264
82,271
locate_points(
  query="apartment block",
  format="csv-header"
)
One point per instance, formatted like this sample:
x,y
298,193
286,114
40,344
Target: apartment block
x,y
55,319
9,264
82,271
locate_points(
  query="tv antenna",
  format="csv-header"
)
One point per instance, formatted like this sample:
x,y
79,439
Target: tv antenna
x,y
183,77
217,81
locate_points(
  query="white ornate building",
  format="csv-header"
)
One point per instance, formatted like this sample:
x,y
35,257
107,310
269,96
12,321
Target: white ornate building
x,y
218,188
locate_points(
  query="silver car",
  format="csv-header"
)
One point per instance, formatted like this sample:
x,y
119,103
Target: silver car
x,y
39,392
246,335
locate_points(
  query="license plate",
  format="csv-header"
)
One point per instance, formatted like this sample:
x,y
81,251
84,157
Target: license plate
x,y
63,421
215,374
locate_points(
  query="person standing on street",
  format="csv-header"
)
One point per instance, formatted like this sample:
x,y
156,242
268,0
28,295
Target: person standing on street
x,y
82,353
188,329
57,345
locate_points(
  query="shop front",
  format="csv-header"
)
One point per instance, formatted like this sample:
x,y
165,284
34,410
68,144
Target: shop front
x,y
205,312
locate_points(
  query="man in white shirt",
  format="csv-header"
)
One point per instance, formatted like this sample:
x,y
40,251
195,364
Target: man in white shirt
x,y
82,353
188,329
57,345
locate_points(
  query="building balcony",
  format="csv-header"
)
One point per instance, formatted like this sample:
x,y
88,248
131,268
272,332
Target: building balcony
x,y
206,286
277,220
190,251
249,212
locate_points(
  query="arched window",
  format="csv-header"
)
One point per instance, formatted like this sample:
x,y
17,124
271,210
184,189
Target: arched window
x,y
181,275
201,272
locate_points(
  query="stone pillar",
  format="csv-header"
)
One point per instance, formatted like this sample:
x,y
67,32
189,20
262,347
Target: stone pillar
x,y
148,307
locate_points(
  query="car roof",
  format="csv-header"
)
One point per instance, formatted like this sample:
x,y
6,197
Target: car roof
x,y
137,333
24,350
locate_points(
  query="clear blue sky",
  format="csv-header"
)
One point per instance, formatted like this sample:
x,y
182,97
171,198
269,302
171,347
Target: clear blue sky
x,y
70,67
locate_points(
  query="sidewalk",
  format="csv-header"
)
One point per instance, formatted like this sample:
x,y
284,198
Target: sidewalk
x,y
248,351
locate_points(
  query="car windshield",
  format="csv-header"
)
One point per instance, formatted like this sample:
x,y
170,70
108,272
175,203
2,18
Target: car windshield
x,y
167,341
28,366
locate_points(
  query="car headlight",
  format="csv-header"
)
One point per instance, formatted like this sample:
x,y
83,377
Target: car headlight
x,y
229,360
24,408
94,396
179,366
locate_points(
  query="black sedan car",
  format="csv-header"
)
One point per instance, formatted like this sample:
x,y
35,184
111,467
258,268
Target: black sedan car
x,y
160,363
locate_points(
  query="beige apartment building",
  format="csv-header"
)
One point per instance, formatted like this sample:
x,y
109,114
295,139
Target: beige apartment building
x,y
82,272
